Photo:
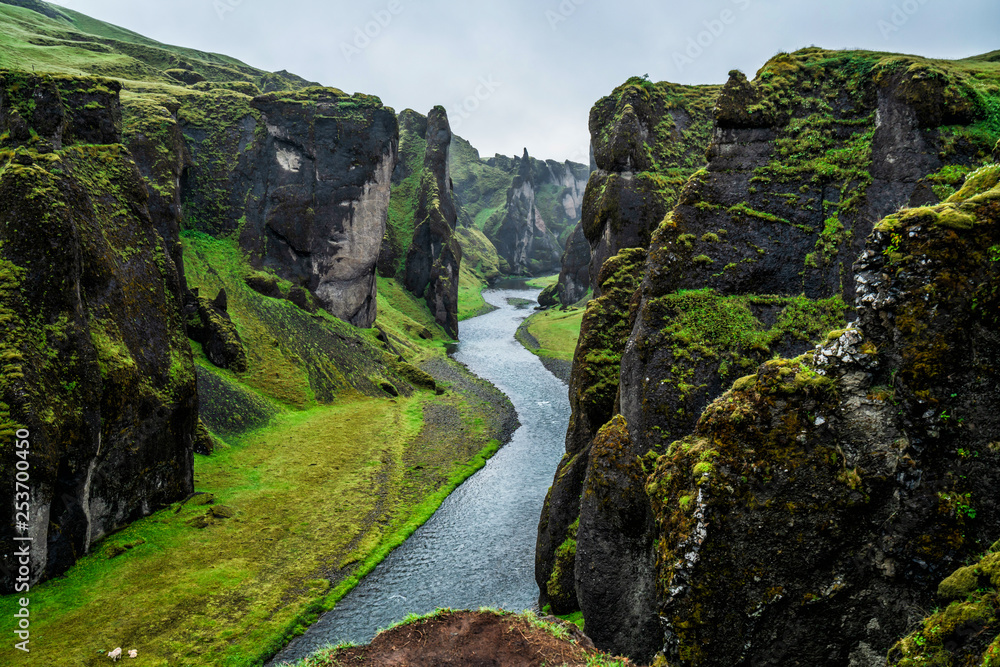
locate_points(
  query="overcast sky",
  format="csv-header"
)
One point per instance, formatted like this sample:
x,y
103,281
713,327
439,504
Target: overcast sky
x,y
525,73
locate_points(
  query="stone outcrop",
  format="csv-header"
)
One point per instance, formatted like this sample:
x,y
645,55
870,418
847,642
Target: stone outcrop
x,y
647,139
813,512
526,207
574,274
754,259
522,238
94,363
620,238
432,262
212,327
302,179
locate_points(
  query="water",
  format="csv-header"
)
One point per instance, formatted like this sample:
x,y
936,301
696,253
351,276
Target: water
x,y
478,548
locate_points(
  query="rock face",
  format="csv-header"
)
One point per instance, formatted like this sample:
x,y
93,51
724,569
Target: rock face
x,y
432,262
302,178
96,367
522,239
754,259
818,504
619,237
574,276
647,140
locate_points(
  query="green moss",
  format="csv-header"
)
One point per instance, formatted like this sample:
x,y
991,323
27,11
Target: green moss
x,y
964,632
562,570
604,329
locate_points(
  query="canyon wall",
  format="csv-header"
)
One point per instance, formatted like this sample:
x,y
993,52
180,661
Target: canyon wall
x,y
96,364
754,258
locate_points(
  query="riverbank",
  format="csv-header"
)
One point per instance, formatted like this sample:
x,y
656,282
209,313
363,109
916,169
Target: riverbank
x,y
552,335
478,548
318,472
290,517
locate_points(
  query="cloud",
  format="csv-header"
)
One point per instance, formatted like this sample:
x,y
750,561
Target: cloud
x,y
553,58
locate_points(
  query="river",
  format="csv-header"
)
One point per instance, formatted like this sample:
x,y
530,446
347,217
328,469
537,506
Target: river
x,y
479,547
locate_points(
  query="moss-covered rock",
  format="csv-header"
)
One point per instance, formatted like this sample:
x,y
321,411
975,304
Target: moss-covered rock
x,y
95,363
314,208
967,631
819,504
522,236
434,256
593,389
219,338
756,257
648,138
574,276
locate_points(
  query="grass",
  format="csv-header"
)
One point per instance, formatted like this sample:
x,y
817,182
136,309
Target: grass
x,y
542,282
555,330
320,497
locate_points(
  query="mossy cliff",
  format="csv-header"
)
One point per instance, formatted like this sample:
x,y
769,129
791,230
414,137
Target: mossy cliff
x,y
301,180
819,503
526,207
96,363
755,257
542,194
434,256
647,139
967,630
593,388
574,271
636,132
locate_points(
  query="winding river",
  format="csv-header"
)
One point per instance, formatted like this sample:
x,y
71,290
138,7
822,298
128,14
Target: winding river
x,y
478,548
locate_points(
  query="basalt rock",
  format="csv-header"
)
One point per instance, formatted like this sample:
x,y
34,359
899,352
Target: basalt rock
x,y
522,238
432,262
97,377
302,179
593,387
619,237
574,276
820,502
647,140
755,258
217,334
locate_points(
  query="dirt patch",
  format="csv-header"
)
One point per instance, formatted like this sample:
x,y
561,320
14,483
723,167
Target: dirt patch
x,y
472,639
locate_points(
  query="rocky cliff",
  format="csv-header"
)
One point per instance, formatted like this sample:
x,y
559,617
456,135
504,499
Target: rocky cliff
x,y
302,179
96,365
543,204
434,256
574,272
754,259
820,501
641,164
